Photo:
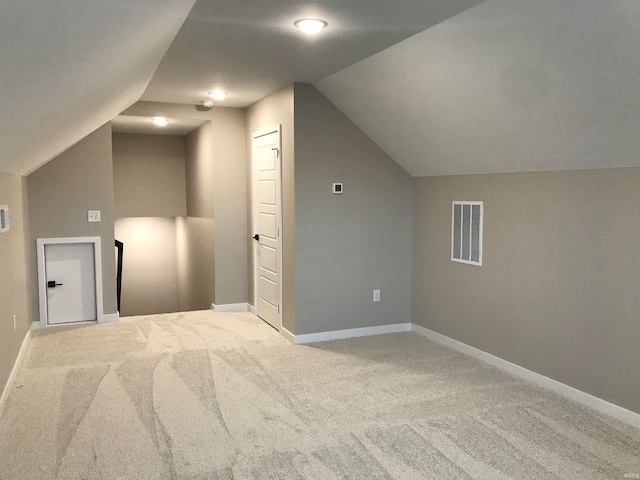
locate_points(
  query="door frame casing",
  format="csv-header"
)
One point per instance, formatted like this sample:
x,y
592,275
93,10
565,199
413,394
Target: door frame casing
x,y
42,274
254,217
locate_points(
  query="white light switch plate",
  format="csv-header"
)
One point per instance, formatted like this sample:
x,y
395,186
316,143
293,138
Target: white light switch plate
x,y
93,216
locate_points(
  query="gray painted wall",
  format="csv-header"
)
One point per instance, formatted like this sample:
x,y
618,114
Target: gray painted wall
x,y
230,204
215,190
150,266
205,172
200,172
196,263
61,192
349,244
149,176
558,289
149,192
15,294
196,233
276,109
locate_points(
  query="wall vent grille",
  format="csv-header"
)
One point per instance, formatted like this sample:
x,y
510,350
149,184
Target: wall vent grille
x,y
4,218
466,232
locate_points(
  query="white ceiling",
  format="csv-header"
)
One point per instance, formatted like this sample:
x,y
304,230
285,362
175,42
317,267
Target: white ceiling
x,y
69,66
507,86
251,48
143,125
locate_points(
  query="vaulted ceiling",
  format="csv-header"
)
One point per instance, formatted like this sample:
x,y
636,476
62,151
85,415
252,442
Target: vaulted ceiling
x,y
69,66
251,48
507,86
443,86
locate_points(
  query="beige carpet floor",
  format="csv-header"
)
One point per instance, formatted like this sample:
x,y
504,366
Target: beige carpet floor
x,y
222,396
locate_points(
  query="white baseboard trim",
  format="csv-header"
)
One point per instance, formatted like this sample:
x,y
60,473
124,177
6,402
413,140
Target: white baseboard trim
x,y
109,317
288,335
586,399
251,308
348,333
38,325
104,318
230,307
14,371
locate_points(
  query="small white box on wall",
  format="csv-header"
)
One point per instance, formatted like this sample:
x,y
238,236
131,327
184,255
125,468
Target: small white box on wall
x,y
4,218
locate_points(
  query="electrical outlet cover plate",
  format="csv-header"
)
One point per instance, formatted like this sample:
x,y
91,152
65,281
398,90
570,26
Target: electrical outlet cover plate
x,y
337,188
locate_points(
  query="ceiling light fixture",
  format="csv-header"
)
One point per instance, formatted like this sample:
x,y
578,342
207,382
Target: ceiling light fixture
x,y
217,95
310,26
160,121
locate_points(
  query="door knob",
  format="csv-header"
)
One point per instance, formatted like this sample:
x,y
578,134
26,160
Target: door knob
x,y
53,284
256,237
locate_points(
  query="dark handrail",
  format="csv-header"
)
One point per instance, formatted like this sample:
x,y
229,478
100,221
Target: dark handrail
x,y
120,247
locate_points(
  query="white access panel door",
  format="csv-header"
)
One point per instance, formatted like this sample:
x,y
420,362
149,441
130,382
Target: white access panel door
x,y
267,224
70,282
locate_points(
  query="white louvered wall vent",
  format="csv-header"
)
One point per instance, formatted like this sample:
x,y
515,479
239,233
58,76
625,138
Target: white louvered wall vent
x,y
466,232
4,218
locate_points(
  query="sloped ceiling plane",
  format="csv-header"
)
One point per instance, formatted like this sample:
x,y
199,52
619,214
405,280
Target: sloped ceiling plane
x,y
443,86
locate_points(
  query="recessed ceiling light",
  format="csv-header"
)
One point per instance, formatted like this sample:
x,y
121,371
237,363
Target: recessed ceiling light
x,y
217,95
310,26
160,121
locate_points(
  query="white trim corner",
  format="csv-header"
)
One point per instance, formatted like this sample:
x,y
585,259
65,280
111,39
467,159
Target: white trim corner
x,y
230,307
349,333
109,317
288,335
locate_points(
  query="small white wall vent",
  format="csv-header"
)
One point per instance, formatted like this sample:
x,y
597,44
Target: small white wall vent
x,y
466,232
4,218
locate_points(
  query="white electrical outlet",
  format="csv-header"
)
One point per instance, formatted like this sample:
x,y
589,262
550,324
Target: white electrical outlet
x,y
93,216
14,322
376,295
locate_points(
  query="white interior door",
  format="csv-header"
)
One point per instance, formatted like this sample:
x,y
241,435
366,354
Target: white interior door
x,y
267,213
70,282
